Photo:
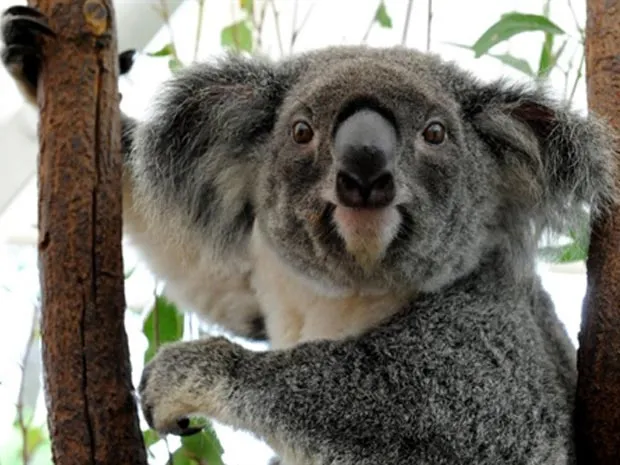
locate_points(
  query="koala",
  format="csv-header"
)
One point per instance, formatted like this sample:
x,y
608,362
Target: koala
x,y
375,213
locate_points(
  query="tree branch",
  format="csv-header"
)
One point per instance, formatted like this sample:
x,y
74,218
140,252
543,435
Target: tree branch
x,y
598,392
403,41
92,415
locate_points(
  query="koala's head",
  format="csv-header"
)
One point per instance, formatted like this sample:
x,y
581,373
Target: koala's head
x,y
390,168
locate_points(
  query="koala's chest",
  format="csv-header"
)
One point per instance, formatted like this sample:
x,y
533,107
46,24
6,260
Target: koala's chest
x,y
296,313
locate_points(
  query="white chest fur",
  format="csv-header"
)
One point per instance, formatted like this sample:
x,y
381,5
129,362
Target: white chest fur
x,y
295,312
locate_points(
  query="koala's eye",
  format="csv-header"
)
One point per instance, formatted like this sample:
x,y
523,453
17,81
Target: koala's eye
x,y
435,133
302,132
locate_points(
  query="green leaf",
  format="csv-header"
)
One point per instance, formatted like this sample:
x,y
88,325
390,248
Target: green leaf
x,y
199,449
510,60
130,272
204,447
150,437
237,36
511,24
169,325
382,16
573,252
35,437
247,6
166,50
517,63
556,56
174,65
180,457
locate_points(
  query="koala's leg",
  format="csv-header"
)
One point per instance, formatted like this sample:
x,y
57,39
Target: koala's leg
x,y
194,280
22,30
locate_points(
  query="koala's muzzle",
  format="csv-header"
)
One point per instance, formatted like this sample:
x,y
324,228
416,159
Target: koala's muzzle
x,y
365,146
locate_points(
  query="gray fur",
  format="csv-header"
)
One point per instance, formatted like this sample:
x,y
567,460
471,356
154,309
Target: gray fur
x,y
476,368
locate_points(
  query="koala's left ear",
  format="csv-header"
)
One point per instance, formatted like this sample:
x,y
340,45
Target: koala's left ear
x,y
552,160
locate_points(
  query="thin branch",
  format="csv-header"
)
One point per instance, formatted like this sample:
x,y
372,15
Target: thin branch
x,y
403,41
258,26
155,320
429,22
578,77
580,29
201,8
370,25
297,29
23,425
294,26
276,19
164,12
566,72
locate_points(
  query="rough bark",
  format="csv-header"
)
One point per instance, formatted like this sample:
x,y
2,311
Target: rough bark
x,y
598,394
92,412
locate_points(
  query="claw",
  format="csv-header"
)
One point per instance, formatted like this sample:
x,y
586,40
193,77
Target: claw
x,y
27,23
19,10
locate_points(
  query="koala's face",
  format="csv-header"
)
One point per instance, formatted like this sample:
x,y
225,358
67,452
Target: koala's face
x,y
373,179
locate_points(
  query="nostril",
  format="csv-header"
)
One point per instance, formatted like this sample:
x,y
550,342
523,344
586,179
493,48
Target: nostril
x,y
348,182
383,182
349,190
374,193
382,191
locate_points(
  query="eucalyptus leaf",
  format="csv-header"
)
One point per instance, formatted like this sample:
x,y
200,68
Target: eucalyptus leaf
x,y
129,272
511,24
517,63
247,6
180,457
573,252
169,325
166,50
382,17
546,61
237,36
150,437
199,449
35,437
204,446
576,251
174,65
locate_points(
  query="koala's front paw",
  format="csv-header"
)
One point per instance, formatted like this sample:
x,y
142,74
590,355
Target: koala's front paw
x,y
21,29
186,378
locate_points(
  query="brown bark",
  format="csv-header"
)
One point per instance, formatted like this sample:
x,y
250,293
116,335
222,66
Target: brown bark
x,y
598,393
92,412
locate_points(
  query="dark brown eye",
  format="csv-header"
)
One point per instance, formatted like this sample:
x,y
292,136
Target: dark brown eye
x,y
435,133
302,132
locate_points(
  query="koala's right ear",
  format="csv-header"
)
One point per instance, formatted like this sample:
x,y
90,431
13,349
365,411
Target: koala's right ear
x,y
198,151
553,161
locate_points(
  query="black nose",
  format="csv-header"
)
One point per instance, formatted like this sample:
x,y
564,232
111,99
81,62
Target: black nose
x,y
365,144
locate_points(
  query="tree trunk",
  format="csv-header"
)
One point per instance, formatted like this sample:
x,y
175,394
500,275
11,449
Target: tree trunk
x,y
598,393
92,412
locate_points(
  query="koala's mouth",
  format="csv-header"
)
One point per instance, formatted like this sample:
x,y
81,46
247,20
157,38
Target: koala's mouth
x,y
364,233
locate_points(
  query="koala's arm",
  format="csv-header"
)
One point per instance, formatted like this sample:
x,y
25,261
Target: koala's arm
x,y
443,383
